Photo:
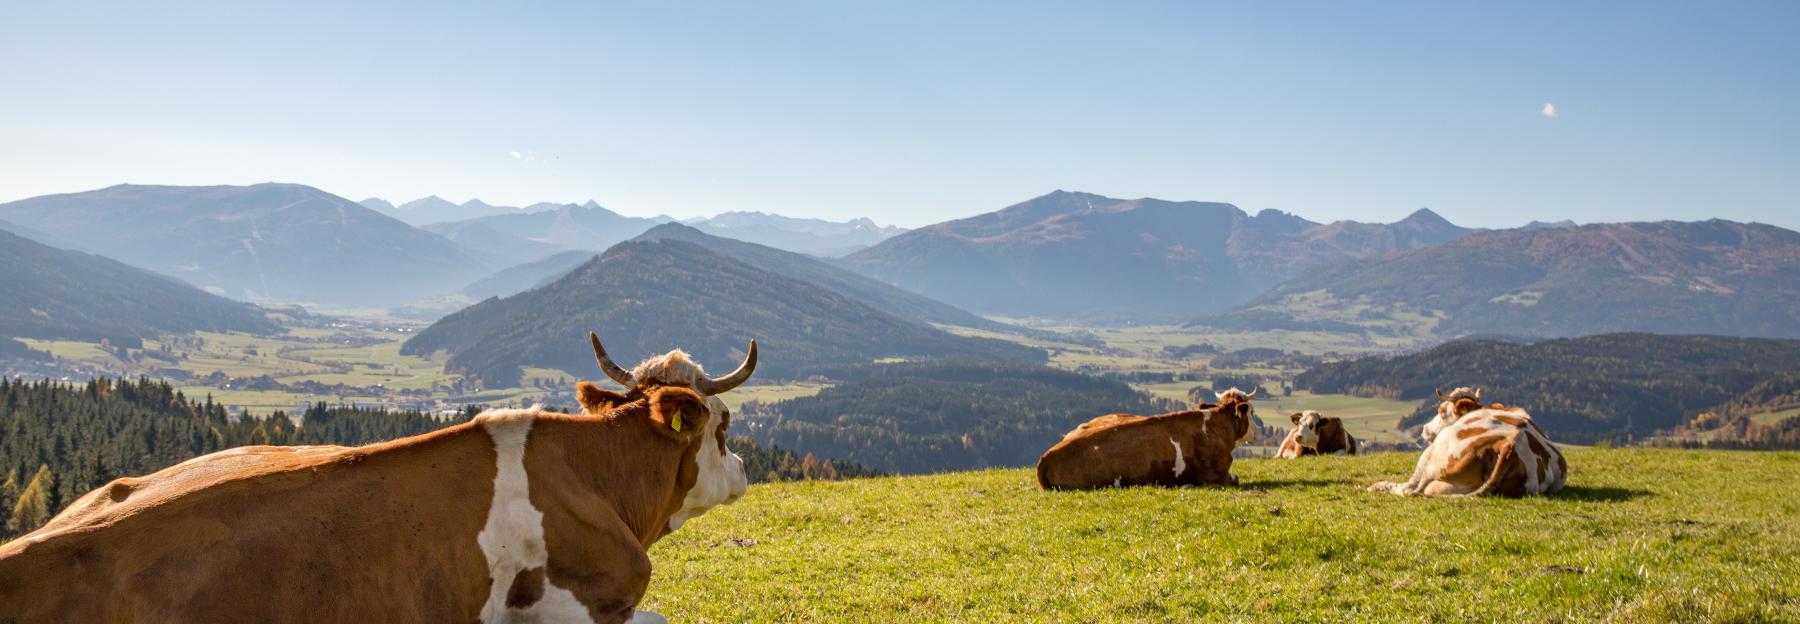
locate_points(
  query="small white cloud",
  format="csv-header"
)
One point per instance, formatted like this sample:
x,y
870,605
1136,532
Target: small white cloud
x,y
518,156
1549,110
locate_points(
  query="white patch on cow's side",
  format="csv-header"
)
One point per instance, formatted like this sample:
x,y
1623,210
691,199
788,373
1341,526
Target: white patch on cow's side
x,y
721,478
513,538
1522,451
1180,462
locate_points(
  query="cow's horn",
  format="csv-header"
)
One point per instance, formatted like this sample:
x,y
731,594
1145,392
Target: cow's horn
x,y
1478,393
606,364
721,385
1253,392
1440,393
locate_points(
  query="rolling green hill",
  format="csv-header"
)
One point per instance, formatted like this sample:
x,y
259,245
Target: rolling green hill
x,y
1637,536
52,293
646,297
806,268
1607,387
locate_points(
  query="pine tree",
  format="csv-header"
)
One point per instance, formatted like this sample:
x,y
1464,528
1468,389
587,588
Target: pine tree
x,y
9,490
33,508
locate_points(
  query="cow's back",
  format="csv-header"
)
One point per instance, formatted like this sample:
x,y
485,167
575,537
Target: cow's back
x,y
1125,449
268,534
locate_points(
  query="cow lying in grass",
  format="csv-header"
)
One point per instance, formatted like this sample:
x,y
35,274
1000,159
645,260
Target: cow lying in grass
x,y
517,516
1190,447
1474,450
1316,434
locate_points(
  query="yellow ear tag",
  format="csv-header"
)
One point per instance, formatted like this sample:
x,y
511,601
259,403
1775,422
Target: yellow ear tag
x,y
676,421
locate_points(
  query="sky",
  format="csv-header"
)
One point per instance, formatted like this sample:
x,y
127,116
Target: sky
x,y
1491,114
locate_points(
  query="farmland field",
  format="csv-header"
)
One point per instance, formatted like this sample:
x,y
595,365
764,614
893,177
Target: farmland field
x,y
1639,535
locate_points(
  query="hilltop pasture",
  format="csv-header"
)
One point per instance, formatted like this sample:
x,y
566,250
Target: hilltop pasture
x,y
1640,535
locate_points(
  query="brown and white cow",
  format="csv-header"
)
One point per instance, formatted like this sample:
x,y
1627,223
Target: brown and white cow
x,y
1316,434
1191,447
520,515
1473,450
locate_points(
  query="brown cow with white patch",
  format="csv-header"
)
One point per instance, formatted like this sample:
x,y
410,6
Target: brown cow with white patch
x,y
1316,434
1475,450
517,516
1190,447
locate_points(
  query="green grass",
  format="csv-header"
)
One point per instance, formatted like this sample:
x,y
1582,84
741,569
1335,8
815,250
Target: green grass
x,y
1770,418
735,399
69,349
1640,535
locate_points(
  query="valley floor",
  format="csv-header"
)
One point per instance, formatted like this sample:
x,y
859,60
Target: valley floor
x,y
1639,535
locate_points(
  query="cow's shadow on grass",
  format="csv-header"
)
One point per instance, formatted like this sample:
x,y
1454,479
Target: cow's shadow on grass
x,y
1595,494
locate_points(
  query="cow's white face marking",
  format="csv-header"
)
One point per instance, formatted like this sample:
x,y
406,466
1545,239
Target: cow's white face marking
x,y
1446,413
1446,416
1309,429
513,539
1180,461
1250,433
721,479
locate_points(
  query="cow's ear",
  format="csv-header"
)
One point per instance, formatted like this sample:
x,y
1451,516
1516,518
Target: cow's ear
x,y
1295,417
596,400
677,411
1242,410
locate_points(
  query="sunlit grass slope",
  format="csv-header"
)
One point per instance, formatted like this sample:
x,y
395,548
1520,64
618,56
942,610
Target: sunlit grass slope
x,y
1639,535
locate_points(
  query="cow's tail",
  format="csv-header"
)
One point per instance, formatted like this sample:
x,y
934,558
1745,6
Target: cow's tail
x,y
1501,464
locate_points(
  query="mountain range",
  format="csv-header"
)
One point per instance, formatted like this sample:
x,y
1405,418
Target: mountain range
x,y
434,209
58,294
509,238
1085,256
1709,277
809,236
265,242
646,297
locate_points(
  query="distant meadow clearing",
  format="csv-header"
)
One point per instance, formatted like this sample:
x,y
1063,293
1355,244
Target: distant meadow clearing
x,y
1639,535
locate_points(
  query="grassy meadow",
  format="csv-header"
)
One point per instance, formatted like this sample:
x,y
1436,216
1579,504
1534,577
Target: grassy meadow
x,y
1640,535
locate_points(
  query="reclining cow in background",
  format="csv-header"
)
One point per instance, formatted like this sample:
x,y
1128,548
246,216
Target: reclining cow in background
x,y
1190,447
1473,450
1316,434
519,515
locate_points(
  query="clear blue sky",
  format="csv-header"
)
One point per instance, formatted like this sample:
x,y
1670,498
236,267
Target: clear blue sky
x,y
915,112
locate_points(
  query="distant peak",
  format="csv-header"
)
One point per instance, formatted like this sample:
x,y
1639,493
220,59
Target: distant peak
x,y
1424,213
1425,216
